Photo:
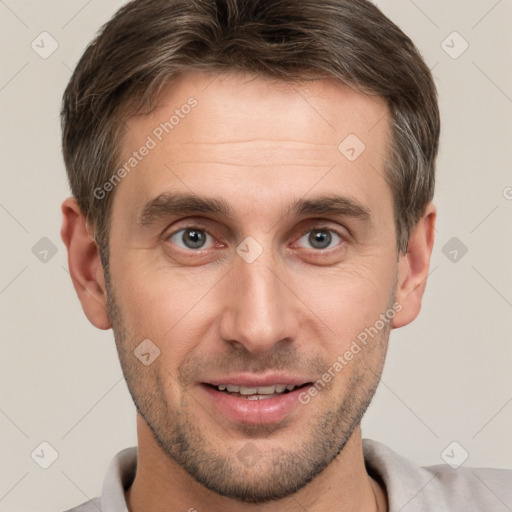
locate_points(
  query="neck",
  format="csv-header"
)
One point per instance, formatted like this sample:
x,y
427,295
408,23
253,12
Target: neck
x,y
161,485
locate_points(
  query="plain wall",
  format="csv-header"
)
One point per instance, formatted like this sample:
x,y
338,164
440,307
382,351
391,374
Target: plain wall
x,y
448,375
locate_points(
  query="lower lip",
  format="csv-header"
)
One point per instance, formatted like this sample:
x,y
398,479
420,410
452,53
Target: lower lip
x,y
261,411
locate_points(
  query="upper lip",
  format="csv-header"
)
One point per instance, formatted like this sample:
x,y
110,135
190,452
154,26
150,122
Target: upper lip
x,y
255,381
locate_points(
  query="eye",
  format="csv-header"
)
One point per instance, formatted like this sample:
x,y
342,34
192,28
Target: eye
x,y
191,239
320,238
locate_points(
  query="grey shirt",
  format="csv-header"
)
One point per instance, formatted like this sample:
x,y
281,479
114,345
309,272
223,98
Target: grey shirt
x,y
410,488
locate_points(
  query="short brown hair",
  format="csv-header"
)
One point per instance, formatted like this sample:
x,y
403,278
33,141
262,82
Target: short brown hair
x,y
149,42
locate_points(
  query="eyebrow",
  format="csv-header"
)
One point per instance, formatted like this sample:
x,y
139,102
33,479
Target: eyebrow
x,y
330,205
168,204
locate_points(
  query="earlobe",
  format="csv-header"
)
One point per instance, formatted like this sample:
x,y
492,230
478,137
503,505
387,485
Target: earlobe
x,y
414,268
84,264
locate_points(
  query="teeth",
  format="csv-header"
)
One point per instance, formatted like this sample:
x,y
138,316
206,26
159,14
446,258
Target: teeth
x,y
248,391
266,390
261,390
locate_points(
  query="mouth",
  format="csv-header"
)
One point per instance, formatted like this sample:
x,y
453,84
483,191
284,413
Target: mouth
x,y
253,403
259,392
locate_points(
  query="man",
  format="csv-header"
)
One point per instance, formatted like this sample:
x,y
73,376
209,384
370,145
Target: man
x,y
252,214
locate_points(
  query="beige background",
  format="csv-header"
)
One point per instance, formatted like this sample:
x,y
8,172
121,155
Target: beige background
x,y
447,376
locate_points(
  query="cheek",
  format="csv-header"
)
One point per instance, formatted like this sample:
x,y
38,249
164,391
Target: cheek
x,y
347,299
166,305
176,306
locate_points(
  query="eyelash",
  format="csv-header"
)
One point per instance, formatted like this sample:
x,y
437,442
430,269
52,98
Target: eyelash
x,y
201,250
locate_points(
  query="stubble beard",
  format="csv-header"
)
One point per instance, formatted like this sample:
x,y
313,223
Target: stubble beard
x,y
280,472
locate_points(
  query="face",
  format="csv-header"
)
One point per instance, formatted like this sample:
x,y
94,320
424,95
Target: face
x,y
254,252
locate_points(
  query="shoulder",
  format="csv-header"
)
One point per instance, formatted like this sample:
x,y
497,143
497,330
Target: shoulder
x,y
420,489
89,506
485,489
119,477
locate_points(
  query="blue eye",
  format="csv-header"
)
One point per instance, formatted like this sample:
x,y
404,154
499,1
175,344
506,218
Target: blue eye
x,y
194,239
190,238
320,238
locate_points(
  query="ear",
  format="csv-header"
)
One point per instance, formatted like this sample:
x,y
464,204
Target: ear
x,y
84,264
413,268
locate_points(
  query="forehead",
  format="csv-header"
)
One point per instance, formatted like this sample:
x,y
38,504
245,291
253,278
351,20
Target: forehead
x,y
314,111
232,130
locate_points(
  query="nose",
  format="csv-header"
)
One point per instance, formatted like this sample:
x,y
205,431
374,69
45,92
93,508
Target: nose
x,y
259,308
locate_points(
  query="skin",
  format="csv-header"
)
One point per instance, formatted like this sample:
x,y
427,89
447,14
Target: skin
x,y
257,144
